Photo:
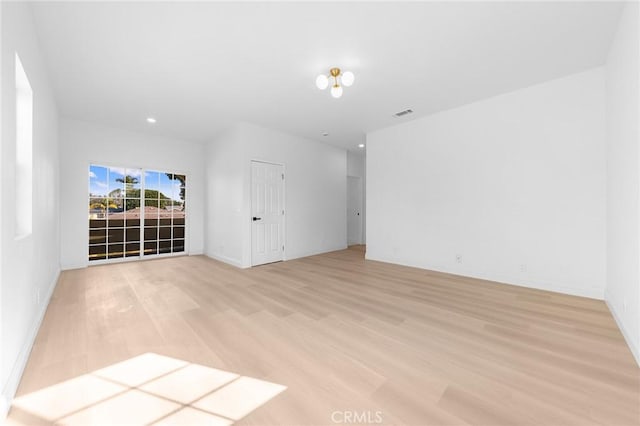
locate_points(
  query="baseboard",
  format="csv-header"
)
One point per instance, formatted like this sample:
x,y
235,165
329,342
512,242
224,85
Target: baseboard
x,y
4,409
315,252
591,293
229,260
238,264
635,351
71,266
11,386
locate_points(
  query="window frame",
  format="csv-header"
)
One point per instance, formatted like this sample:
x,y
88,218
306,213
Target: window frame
x,y
142,184
24,103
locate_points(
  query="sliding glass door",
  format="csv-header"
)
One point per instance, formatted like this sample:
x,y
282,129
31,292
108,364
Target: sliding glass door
x,y
164,219
135,212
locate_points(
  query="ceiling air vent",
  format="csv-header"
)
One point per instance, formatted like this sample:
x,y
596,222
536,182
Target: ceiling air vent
x,y
403,113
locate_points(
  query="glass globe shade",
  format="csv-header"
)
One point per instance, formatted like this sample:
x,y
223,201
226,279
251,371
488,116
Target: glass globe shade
x,y
348,78
336,91
322,82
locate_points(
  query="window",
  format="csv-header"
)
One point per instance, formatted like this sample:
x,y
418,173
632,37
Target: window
x,y
24,156
164,219
123,223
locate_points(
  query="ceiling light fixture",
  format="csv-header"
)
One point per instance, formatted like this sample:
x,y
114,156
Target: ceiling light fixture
x,y
340,79
151,120
361,145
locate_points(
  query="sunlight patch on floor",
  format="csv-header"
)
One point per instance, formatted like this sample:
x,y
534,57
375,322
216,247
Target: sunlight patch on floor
x,y
149,389
189,383
139,370
56,401
239,398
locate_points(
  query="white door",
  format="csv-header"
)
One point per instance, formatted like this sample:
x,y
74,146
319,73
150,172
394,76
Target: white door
x,y
267,213
354,210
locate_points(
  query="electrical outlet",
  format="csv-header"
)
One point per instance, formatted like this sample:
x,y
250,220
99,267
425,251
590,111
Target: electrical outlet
x,y
523,267
458,258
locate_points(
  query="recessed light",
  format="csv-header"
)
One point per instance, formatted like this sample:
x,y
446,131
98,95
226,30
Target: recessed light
x,y
325,134
361,145
403,113
151,120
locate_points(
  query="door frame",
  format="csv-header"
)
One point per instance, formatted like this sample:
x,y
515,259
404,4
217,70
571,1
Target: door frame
x,y
360,207
284,204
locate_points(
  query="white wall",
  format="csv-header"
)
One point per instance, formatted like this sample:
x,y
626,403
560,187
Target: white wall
x,y
623,180
225,198
356,166
83,143
30,265
315,193
509,183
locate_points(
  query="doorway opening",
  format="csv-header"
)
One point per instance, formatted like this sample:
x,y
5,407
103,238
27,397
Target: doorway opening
x,y
355,199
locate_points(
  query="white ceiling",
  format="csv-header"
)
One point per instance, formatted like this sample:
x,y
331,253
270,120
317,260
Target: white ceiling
x,y
199,67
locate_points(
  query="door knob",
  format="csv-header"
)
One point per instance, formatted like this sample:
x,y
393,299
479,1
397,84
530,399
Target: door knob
x,y
256,218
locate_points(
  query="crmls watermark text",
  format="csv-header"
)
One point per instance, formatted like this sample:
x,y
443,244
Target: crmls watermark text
x,y
355,416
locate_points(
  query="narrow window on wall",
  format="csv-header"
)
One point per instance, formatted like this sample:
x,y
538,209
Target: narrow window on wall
x,y
24,155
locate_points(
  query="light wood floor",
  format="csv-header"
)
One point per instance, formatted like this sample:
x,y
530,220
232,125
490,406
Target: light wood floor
x,y
345,334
